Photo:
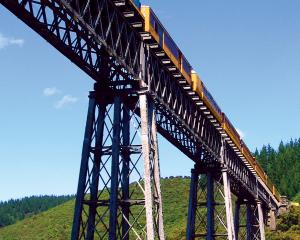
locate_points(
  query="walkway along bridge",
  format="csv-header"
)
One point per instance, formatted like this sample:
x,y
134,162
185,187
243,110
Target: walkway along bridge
x,y
139,91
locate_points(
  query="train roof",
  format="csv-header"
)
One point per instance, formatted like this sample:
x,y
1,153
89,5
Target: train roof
x,y
165,31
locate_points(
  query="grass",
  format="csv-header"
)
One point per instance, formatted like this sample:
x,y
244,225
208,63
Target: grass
x,y
55,224
288,226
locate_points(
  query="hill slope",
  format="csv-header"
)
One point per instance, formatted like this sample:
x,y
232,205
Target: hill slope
x,y
288,226
282,166
55,224
14,210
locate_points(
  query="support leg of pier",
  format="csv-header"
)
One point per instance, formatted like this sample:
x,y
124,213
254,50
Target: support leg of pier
x,y
261,221
190,229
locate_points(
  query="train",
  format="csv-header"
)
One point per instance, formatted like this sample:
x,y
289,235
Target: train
x,y
155,28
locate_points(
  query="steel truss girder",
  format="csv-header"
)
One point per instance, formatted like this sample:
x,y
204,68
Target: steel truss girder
x,y
58,23
119,194
84,31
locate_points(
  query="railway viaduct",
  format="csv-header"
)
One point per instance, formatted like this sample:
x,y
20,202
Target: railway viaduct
x,y
136,96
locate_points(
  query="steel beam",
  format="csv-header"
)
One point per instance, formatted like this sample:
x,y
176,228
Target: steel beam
x,y
157,189
125,174
95,171
113,196
190,228
228,205
249,222
261,221
237,218
210,207
145,134
84,167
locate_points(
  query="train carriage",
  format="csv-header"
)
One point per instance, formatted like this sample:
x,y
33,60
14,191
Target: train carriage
x,y
154,27
162,37
231,131
199,87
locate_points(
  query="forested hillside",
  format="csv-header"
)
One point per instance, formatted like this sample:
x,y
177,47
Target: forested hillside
x,y
56,223
282,166
14,210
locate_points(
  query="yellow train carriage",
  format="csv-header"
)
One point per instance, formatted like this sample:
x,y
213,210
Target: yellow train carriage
x,y
231,132
247,154
206,97
201,90
259,170
161,36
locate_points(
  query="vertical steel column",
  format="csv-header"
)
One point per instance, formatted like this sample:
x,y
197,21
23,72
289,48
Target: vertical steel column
x,y
157,190
210,207
96,170
227,199
83,167
231,210
227,193
237,219
240,220
113,204
125,173
261,220
249,221
146,111
190,229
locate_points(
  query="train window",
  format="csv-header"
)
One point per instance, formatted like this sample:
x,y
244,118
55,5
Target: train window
x,y
212,100
232,127
157,28
186,66
152,21
160,32
171,46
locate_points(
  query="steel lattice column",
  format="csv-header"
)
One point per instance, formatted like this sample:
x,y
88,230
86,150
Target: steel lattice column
x,y
261,220
119,184
210,210
240,220
249,223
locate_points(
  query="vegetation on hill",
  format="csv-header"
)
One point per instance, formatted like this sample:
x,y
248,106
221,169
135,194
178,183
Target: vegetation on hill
x,y
282,166
288,226
56,223
14,210
296,198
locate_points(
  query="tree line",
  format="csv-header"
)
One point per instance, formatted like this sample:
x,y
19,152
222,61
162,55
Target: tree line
x,y
282,166
12,211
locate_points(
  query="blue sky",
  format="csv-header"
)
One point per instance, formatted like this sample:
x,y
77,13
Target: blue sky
x,y
246,52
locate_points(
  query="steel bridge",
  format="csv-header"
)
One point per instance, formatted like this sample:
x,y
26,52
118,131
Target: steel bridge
x,y
136,96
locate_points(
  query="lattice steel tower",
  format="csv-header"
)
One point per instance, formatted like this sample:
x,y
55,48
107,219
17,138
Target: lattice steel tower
x,y
119,184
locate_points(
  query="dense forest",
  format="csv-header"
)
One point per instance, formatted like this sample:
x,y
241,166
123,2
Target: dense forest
x,y
14,210
282,166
